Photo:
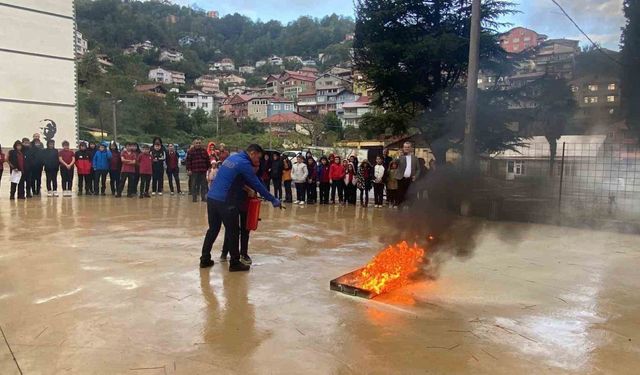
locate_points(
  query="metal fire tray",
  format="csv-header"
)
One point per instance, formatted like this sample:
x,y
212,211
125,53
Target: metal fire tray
x,y
342,285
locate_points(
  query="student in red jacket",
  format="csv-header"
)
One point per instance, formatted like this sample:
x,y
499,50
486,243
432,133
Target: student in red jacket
x,y
173,168
129,160
83,163
67,159
336,178
145,166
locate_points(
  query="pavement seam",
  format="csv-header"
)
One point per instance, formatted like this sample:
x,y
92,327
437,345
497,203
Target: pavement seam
x,y
10,350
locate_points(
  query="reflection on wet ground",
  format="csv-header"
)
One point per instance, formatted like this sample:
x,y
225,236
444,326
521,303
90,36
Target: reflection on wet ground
x,y
97,285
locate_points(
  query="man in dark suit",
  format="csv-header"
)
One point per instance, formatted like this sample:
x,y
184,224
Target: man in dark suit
x,y
408,171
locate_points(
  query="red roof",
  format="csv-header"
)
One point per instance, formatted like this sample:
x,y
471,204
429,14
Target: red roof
x,y
287,118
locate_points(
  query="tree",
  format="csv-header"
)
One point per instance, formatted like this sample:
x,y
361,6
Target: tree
x,y
314,130
554,107
415,56
630,83
199,118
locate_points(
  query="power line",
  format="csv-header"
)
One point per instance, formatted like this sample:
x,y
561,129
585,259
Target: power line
x,y
595,45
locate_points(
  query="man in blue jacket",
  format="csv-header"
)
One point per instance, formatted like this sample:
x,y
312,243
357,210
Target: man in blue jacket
x,y
101,163
223,204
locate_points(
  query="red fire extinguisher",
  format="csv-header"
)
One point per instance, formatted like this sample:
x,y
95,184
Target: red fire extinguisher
x,y
253,214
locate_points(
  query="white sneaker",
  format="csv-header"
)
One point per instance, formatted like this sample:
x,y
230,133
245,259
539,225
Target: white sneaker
x,y
55,193
302,203
296,202
172,193
160,194
49,194
153,193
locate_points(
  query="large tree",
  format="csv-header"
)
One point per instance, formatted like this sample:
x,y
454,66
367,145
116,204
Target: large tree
x,y
630,61
415,56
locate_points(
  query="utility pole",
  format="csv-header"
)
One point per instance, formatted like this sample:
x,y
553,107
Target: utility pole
x,y
472,89
115,122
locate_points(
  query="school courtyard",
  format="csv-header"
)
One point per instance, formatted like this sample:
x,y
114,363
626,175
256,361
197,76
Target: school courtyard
x,y
95,285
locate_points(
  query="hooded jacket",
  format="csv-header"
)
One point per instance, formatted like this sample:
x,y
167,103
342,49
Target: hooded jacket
x,y
299,173
102,160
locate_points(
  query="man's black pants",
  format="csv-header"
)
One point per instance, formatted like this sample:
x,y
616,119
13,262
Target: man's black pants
x,y
229,214
277,188
52,179
123,180
215,223
324,192
114,181
199,186
403,188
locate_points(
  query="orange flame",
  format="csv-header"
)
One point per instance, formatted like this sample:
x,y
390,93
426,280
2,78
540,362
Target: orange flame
x,y
391,268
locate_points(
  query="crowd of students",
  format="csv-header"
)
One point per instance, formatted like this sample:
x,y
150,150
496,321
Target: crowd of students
x,y
337,180
329,180
141,169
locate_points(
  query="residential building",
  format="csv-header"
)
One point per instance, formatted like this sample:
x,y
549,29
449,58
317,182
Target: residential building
x,y
208,83
81,44
281,124
260,63
189,40
352,112
247,69
213,14
224,65
598,101
309,62
275,60
194,99
329,81
155,89
340,72
171,56
297,59
332,99
557,57
307,103
360,85
258,107
232,80
294,83
309,70
139,47
520,39
105,62
166,76
272,84
349,36
238,107
280,106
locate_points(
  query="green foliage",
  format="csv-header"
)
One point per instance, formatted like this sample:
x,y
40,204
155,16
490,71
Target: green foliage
x,y
630,54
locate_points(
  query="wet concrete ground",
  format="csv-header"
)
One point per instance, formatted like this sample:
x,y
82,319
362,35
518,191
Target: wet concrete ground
x,y
101,286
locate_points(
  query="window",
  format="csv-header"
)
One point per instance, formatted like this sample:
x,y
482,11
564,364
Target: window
x,y
515,167
479,80
516,40
590,99
506,41
574,88
276,107
611,87
205,105
205,97
192,104
527,39
593,87
611,99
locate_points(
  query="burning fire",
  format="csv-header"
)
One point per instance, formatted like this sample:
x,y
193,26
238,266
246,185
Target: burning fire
x,y
391,268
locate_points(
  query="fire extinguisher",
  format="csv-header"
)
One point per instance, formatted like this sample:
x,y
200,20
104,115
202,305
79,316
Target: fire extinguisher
x,y
253,214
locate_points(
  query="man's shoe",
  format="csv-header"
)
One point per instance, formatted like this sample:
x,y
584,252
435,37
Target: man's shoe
x,y
206,263
238,267
245,259
223,258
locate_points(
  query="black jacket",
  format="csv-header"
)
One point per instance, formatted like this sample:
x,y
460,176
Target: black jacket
x,y
276,169
50,159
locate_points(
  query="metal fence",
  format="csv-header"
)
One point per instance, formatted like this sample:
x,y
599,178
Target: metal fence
x,y
586,178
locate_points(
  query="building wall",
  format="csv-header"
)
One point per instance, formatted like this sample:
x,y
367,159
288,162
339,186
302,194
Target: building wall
x,y
280,107
519,39
37,89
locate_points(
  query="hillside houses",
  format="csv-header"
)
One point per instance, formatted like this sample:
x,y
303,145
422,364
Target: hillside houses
x,y
224,65
171,56
208,83
167,76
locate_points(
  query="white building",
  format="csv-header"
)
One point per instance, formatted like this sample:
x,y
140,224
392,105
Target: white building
x,y
260,63
81,44
275,60
224,65
309,62
351,113
247,69
194,99
166,76
208,83
171,55
139,47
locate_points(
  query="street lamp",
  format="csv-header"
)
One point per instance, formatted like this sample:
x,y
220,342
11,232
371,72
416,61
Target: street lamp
x,y
114,102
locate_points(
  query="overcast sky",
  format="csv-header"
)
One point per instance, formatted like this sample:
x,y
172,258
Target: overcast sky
x,y
601,19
